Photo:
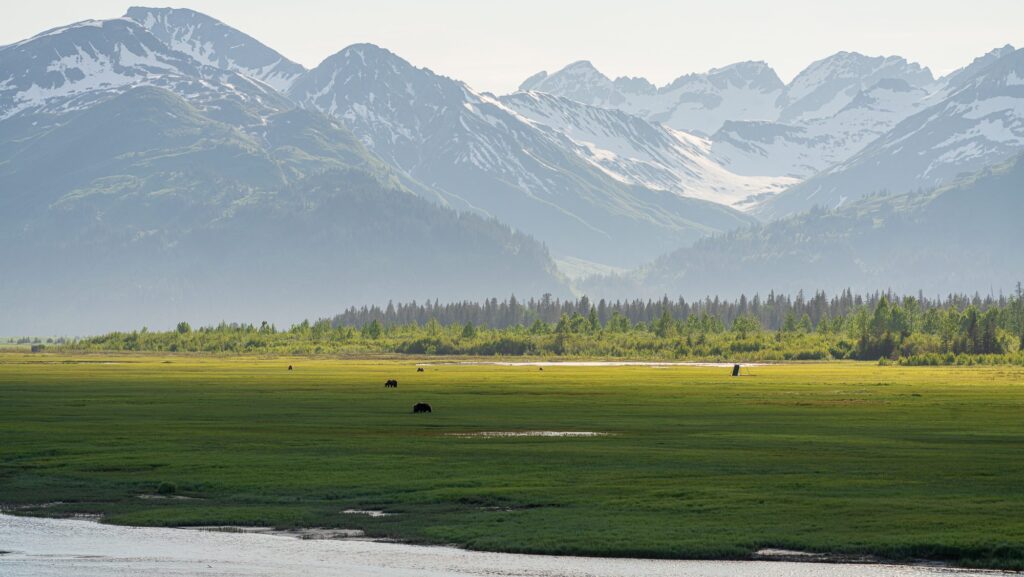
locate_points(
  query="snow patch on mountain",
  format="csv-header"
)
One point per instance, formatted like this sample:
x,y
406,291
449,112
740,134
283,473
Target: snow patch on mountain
x,y
694,103
216,44
71,61
828,86
73,67
757,125
979,123
635,151
803,149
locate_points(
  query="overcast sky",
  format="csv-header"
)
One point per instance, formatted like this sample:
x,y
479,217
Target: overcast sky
x,y
494,45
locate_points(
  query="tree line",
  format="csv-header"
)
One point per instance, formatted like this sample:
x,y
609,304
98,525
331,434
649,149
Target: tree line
x,y
881,326
772,311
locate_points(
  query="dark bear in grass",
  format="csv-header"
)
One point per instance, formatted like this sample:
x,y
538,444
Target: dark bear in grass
x,y
421,408
290,367
419,369
391,384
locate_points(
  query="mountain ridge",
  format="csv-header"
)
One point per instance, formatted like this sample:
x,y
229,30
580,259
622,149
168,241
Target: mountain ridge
x,y
214,43
481,156
981,123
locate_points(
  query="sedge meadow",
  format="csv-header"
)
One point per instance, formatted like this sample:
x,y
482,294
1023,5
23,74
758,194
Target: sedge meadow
x,y
851,459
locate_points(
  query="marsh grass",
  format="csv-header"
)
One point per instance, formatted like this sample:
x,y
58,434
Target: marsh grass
x,y
898,462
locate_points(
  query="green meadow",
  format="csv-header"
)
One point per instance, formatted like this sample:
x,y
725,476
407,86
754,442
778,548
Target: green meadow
x,y
903,463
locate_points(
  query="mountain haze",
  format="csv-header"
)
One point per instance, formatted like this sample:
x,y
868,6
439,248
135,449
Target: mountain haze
x,y
481,156
942,241
174,190
981,123
635,151
698,103
164,166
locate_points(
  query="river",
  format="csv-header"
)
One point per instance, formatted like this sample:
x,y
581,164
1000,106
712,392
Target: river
x,y
50,547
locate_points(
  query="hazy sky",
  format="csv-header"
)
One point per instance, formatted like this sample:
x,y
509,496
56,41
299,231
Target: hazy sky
x,y
493,45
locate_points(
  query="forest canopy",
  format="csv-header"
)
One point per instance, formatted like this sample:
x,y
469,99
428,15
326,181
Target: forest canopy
x,y
956,329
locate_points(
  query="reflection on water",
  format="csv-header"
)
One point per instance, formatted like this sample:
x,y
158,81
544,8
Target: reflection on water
x,y
48,547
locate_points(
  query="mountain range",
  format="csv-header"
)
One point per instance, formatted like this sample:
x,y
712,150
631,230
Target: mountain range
x,y
165,166
847,125
477,155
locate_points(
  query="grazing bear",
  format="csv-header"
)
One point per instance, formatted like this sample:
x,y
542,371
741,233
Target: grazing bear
x,y
289,367
421,408
419,369
541,368
391,384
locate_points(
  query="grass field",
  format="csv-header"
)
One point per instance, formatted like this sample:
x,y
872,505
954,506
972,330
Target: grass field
x,y
904,463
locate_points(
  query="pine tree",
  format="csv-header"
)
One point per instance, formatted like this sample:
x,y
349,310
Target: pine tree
x,y
1018,308
805,324
825,324
745,325
563,324
372,330
665,326
789,325
595,322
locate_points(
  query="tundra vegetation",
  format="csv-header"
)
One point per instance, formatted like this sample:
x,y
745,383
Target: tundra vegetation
x,y
903,463
911,330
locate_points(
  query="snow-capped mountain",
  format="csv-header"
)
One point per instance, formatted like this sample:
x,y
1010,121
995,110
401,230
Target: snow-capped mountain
x,y
827,113
73,67
64,65
698,103
848,114
448,143
759,126
956,79
216,44
803,149
168,189
981,123
829,85
581,82
639,152
480,155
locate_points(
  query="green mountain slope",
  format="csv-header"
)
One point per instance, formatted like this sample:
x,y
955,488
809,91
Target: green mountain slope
x,y
143,209
962,237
